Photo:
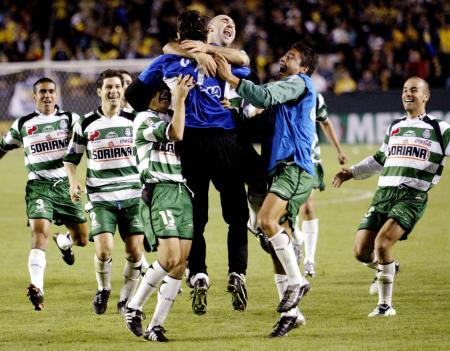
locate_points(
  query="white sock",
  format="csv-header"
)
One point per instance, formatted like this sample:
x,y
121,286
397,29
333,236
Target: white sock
x,y
64,241
385,275
167,293
154,275
103,273
281,281
297,235
198,276
144,263
283,248
36,267
310,231
131,274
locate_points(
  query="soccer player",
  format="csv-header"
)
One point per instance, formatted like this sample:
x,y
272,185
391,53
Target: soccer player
x,y
44,136
411,160
113,187
292,102
211,131
310,224
166,208
221,34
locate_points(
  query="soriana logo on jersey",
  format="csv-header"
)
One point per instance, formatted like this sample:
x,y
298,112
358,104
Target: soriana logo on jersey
x,y
94,135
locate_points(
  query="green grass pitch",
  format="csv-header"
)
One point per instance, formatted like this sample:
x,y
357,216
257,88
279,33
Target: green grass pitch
x,y
336,308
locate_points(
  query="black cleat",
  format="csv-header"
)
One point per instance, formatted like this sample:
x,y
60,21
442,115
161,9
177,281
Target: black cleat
x,y
36,297
121,307
283,326
199,294
292,296
236,286
155,334
67,254
133,320
100,301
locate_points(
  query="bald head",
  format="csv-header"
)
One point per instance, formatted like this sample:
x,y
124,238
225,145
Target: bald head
x,y
416,93
221,30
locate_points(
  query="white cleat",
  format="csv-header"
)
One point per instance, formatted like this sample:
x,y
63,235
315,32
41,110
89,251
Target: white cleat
x,y
309,269
383,311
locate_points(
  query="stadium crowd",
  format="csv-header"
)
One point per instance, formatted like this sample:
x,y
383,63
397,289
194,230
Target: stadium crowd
x,y
363,45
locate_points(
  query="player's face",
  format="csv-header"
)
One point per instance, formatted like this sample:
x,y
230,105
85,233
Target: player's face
x,y
126,80
45,97
415,96
223,30
161,101
291,63
111,92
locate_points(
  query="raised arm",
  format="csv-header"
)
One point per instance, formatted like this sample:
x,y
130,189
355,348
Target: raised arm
x,y
184,85
330,133
233,56
205,61
262,96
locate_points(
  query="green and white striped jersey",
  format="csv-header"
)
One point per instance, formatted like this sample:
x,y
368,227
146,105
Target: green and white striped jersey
x,y
44,139
158,159
112,173
412,154
321,116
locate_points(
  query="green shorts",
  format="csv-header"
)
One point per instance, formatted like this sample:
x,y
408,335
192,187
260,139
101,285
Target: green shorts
x,y
105,216
51,200
166,212
404,205
293,184
318,179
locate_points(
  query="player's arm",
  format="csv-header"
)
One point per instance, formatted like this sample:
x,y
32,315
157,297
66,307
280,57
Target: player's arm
x,y
205,61
184,85
330,133
72,158
12,140
262,96
233,56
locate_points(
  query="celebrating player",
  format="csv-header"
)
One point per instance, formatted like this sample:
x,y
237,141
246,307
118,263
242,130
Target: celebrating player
x,y
44,136
411,160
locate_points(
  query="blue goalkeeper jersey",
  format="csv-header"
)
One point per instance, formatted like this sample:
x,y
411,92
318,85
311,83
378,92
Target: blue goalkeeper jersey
x,y
203,107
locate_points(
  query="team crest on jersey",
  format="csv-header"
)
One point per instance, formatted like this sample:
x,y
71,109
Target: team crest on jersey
x,y
31,129
128,132
63,124
111,135
427,134
395,131
94,135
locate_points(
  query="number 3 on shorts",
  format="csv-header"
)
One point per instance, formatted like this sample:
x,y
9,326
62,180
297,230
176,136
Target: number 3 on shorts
x,y
167,217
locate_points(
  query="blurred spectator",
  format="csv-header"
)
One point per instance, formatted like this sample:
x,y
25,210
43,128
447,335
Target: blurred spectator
x,y
367,82
391,39
344,83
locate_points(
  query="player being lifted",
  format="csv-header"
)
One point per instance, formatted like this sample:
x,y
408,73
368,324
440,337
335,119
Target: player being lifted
x,y
44,136
166,208
411,160
113,187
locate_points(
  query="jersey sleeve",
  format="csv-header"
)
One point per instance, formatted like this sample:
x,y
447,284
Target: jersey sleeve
x,y
281,91
152,129
321,109
77,145
13,139
445,129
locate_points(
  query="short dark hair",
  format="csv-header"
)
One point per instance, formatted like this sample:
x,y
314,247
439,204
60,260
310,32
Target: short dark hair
x,y
123,71
42,80
109,73
307,55
190,25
